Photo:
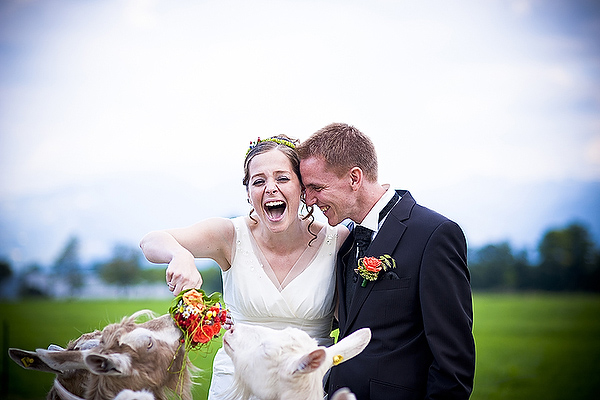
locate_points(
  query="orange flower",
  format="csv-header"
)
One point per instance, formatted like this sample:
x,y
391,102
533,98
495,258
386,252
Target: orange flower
x,y
372,264
369,267
202,334
194,298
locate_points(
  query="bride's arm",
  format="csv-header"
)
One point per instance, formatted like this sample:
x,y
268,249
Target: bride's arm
x,y
210,238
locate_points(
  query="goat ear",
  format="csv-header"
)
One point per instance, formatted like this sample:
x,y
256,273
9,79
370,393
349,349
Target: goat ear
x,y
348,347
30,360
102,365
342,394
62,360
311,361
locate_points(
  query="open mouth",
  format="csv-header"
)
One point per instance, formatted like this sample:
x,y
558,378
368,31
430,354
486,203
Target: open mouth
x,y
324,210
275,209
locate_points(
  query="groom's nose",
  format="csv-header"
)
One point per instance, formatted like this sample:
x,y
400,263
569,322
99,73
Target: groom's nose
x,y
309,197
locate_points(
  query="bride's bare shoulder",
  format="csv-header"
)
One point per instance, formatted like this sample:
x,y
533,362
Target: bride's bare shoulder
x,y
343,232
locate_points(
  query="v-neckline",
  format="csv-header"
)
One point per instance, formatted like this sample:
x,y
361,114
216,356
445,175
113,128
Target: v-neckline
x,y
300,265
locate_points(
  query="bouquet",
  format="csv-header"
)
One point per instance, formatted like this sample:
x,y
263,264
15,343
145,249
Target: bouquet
x,y
199,316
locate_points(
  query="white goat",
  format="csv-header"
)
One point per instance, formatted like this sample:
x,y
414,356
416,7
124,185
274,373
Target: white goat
x,y
285,364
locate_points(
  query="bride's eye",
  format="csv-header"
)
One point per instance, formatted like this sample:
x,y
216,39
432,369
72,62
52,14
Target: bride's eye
x,y
258,182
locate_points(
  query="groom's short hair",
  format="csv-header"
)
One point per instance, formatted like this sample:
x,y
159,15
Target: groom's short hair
x,y
343,147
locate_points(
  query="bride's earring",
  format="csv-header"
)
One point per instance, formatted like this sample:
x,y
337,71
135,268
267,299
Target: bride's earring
x,y
251,209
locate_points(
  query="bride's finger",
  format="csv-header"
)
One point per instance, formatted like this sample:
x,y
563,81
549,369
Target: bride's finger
x,y
171,286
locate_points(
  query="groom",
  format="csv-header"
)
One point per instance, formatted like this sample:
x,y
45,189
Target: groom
x,y
419,306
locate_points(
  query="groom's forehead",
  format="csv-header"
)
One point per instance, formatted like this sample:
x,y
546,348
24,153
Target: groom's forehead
x,y
316,169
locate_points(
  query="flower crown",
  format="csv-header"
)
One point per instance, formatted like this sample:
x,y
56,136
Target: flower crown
x,y
275,139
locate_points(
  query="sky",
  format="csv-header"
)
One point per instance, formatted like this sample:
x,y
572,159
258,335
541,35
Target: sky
x,y
460,98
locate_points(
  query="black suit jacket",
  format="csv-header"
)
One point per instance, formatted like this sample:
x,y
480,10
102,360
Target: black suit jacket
x,y
420,315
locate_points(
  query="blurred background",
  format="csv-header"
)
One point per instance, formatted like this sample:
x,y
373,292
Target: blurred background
x,y
121,117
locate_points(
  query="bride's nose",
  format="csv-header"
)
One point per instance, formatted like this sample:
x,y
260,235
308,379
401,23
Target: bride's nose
x,y
271,188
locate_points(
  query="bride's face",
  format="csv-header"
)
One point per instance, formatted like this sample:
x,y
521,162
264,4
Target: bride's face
x,y
274,190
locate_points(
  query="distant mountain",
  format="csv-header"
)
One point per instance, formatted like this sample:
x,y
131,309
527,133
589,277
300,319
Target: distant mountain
x,y
121,209
118,209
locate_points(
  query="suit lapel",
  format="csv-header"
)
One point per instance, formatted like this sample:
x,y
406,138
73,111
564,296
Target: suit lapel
x,y
385,242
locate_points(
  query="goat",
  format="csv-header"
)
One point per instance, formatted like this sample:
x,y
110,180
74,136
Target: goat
x,y
68,365
285,364
126,360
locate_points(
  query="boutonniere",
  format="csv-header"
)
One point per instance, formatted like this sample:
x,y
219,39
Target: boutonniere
x,y
369,267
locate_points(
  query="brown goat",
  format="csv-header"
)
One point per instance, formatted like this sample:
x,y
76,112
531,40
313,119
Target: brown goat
x,y
71,372
147,358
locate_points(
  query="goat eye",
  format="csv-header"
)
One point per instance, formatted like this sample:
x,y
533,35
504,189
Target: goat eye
x,y
150,344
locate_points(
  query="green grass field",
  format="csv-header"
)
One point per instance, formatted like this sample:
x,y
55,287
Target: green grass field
x,y
534,346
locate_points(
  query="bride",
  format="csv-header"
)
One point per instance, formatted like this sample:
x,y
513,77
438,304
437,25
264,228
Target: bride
x,y
277,266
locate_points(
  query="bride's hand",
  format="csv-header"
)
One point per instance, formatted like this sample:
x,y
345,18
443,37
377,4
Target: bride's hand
x,y
182,273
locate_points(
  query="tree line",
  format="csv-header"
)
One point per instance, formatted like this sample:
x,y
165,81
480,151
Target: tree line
x,y
126,267
567,260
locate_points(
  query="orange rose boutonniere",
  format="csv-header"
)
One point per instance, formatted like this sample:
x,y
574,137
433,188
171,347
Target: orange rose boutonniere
x,y
369,267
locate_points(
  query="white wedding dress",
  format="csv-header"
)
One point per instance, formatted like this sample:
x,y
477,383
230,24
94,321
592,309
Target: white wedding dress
x,y
253,295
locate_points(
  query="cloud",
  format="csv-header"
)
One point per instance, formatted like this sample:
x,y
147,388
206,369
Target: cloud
x,y
491,90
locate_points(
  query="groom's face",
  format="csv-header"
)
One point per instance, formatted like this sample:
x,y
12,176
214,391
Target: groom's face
x,y
325,189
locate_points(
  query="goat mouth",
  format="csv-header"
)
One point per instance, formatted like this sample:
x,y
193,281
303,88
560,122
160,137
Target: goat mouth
x,y
226,345
274,210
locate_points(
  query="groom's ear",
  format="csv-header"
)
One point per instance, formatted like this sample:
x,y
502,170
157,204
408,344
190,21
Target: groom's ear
x,y
356,177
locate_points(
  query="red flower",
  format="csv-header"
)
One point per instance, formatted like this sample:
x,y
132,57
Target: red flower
x,y
200,335
223,317
372,264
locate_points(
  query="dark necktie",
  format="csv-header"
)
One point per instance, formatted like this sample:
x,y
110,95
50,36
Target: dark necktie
x,y
362,238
